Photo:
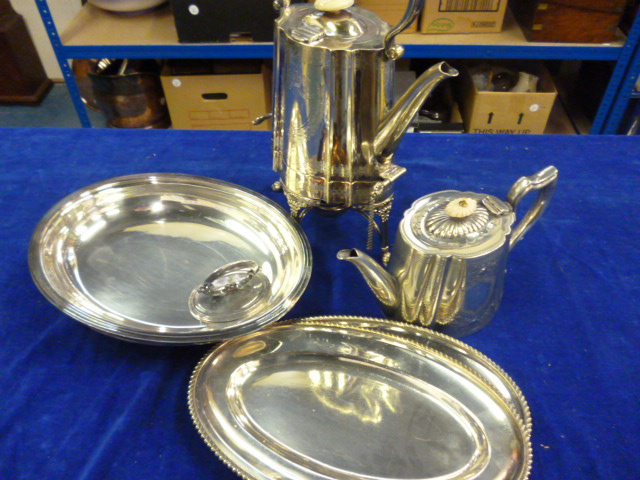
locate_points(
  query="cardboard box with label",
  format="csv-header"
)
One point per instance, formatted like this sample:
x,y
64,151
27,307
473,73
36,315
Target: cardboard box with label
x,y
391,11
507,112
463,16
217,95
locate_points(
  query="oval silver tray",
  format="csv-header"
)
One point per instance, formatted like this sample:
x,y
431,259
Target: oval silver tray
x,y
458,351
170,259
314,401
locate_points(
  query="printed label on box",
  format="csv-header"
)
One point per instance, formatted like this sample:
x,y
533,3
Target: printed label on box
x,y
483,24
469,5
219,117
441,25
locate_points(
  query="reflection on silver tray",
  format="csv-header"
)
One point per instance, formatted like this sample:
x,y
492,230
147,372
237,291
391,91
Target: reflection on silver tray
x,y
468,356
170,259
315,401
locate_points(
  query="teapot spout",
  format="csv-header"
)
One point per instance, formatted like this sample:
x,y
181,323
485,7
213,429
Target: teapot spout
x,y
381,283
394,126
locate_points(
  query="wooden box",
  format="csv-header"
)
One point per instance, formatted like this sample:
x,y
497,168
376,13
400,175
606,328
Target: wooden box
x,y
577,21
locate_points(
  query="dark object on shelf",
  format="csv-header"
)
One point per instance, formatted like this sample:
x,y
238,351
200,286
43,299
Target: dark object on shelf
x,y
591,84
129,93
439,113
629,16
22,76
202,21
580,21
437,108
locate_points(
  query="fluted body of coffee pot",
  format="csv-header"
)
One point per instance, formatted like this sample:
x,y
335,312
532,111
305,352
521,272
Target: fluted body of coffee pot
x,y
448,263
336,126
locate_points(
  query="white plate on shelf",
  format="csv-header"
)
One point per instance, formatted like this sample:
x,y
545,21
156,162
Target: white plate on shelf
x,y
127,6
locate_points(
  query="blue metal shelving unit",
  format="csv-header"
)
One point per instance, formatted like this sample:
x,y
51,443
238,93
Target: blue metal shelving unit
x,y
627,58
621,86
626,93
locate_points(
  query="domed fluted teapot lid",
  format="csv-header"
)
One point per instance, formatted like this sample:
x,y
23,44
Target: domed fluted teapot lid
x,y
334,25
464,223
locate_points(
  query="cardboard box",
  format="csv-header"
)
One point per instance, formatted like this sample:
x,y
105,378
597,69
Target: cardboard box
x,y
463,16
507,112
391,11
217,95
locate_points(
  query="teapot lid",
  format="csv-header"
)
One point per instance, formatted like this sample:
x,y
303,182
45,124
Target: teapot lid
x,y
464,223
333,26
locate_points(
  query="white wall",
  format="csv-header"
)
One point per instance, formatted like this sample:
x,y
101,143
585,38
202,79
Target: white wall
x,y
63,11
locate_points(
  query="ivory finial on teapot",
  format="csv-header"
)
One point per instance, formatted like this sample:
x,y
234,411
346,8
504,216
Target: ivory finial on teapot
x,y
461,207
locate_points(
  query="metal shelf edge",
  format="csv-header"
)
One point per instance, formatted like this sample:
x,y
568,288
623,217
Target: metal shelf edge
x,y
265,50
258,50
530,52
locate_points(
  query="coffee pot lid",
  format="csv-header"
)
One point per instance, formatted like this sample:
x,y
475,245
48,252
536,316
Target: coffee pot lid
x,y
334,25
458,222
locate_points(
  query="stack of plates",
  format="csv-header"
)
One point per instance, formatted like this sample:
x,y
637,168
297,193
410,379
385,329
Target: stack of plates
x,y
354,398
170,259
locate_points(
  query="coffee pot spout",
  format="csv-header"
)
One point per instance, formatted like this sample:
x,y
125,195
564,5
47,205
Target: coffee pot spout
x,y
395,124
379,280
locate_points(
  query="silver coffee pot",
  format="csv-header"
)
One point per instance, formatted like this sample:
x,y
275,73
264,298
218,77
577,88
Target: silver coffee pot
x,y
449,259
335,126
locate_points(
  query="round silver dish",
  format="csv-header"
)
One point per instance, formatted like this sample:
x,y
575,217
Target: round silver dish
x,y
312,401
170,259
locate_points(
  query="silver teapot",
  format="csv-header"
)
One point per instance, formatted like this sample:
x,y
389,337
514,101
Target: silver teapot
x,y
335,126
449,260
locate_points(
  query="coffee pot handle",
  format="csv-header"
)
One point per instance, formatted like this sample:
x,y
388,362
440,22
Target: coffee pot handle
x,y
413,10
544,182
281,4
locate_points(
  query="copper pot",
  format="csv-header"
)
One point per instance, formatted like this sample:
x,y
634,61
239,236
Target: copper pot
x,y
129,93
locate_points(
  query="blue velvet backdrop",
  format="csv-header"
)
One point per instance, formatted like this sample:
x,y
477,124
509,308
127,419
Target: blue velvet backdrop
x,y
75,404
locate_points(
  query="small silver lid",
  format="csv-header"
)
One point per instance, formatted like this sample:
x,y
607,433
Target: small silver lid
x,y
463,223
349,29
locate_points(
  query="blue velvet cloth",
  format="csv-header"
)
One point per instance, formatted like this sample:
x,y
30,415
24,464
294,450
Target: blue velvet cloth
x,y
75,404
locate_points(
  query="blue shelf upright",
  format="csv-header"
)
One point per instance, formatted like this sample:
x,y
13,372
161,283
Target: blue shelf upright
x,y
621,85
626,93
63,61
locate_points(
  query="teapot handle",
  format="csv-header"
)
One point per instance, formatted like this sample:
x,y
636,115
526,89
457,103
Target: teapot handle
x,y
413,10
545,181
